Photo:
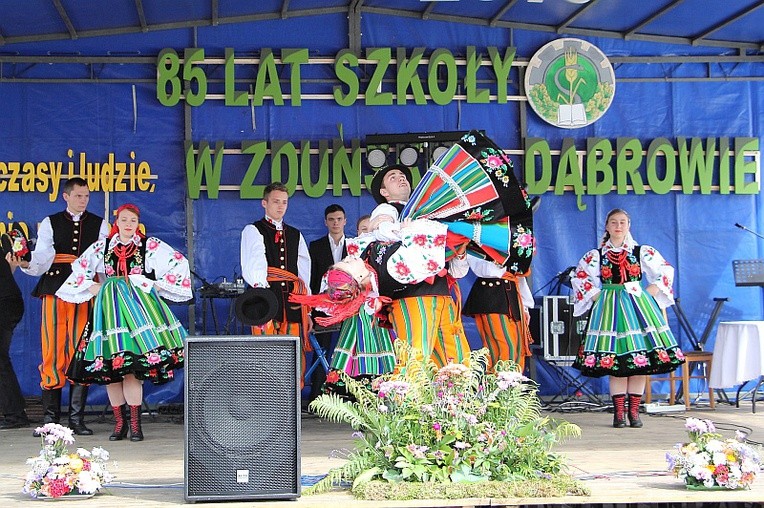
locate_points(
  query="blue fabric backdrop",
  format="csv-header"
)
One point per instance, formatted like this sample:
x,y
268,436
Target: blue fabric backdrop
x,y
695,232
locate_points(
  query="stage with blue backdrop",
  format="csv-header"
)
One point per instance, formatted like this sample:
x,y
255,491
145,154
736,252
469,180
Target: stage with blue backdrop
x,y
192,137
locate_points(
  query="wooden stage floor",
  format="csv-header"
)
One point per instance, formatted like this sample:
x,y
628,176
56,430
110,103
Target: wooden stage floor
x,y
619,466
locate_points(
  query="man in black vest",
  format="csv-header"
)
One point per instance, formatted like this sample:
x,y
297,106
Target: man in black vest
x,y
424,313
324,252
271,253
61,238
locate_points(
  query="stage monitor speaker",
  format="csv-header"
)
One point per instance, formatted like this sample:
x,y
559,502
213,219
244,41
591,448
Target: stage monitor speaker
x,y
242,421
562,332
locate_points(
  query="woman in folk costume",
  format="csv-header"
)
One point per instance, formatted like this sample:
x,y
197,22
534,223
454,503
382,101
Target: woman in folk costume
x,y
364,348
349,295
628,337
132,334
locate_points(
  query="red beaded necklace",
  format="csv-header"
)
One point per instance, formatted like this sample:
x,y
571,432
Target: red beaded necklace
x,y
618,259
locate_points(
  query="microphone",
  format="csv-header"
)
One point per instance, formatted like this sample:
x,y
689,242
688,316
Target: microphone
x,y
750,231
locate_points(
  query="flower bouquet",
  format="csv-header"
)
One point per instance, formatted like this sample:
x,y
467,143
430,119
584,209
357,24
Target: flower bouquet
x,y
452,425
709,461
15,241
55,472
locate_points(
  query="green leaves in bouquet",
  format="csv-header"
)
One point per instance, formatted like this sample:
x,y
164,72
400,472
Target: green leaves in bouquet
x,y
454,424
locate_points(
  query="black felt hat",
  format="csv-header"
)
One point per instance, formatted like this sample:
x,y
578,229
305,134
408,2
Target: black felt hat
x,y
256,306
376,181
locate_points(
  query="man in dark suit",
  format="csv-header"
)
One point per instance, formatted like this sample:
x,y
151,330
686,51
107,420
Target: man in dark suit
x,y
324,252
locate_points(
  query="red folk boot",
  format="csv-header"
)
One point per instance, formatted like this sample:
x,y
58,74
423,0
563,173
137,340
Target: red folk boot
x,y
136,433
120,423
619,410
634,401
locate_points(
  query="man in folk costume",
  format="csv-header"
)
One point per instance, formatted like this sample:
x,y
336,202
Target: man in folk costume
x,y
499,301
61,239
500,297
271,253
423,313
472,190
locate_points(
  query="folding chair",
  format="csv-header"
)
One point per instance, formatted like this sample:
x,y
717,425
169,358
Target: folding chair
x,y
319,353
696,357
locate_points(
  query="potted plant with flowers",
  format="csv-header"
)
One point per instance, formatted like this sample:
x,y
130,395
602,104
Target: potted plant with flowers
x,y
56,472
710,462
452,432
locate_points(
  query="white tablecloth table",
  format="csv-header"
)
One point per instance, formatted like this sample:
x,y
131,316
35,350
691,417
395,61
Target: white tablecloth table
x,y
738,354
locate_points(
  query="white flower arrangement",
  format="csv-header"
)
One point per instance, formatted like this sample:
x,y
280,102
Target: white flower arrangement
x,y
55,472
710,461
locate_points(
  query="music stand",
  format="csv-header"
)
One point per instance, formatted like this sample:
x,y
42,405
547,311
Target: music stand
x,y
748,272
570,386
698,343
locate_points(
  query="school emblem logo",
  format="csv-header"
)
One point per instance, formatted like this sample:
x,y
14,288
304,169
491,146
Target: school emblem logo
x,y
570,83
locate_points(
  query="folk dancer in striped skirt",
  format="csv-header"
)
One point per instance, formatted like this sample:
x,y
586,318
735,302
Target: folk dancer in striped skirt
x,y
365,348
349,294
61,238
132,334
628,337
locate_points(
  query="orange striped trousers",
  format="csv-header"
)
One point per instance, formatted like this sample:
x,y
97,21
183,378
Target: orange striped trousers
x,y
505,339
284,328
432,325
61,328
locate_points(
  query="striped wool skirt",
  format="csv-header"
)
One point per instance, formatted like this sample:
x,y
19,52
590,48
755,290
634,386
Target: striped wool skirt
x,y
627,336
129,332
363,348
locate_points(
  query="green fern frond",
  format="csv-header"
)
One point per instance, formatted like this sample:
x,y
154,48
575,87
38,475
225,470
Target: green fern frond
x,y
332,407
346,473
364,397
566,430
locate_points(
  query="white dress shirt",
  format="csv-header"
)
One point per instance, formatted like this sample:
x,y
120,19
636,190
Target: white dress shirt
x,y
254,264
44,250
337,248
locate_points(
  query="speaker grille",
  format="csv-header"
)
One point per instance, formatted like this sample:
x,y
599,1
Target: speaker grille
x,y
242,418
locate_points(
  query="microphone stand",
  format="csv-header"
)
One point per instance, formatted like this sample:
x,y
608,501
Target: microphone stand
x,y
750,231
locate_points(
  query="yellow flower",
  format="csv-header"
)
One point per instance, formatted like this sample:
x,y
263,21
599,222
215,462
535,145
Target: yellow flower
x,y
76,464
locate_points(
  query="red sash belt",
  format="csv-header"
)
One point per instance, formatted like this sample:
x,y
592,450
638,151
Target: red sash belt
x,y
526,339
64,258
279,275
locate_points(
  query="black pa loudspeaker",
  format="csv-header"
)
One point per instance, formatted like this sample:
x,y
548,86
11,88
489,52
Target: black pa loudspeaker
x,y
242,404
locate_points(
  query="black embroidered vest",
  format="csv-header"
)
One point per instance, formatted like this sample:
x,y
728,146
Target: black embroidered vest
x,y
377,254
612,272
69,237
282,255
